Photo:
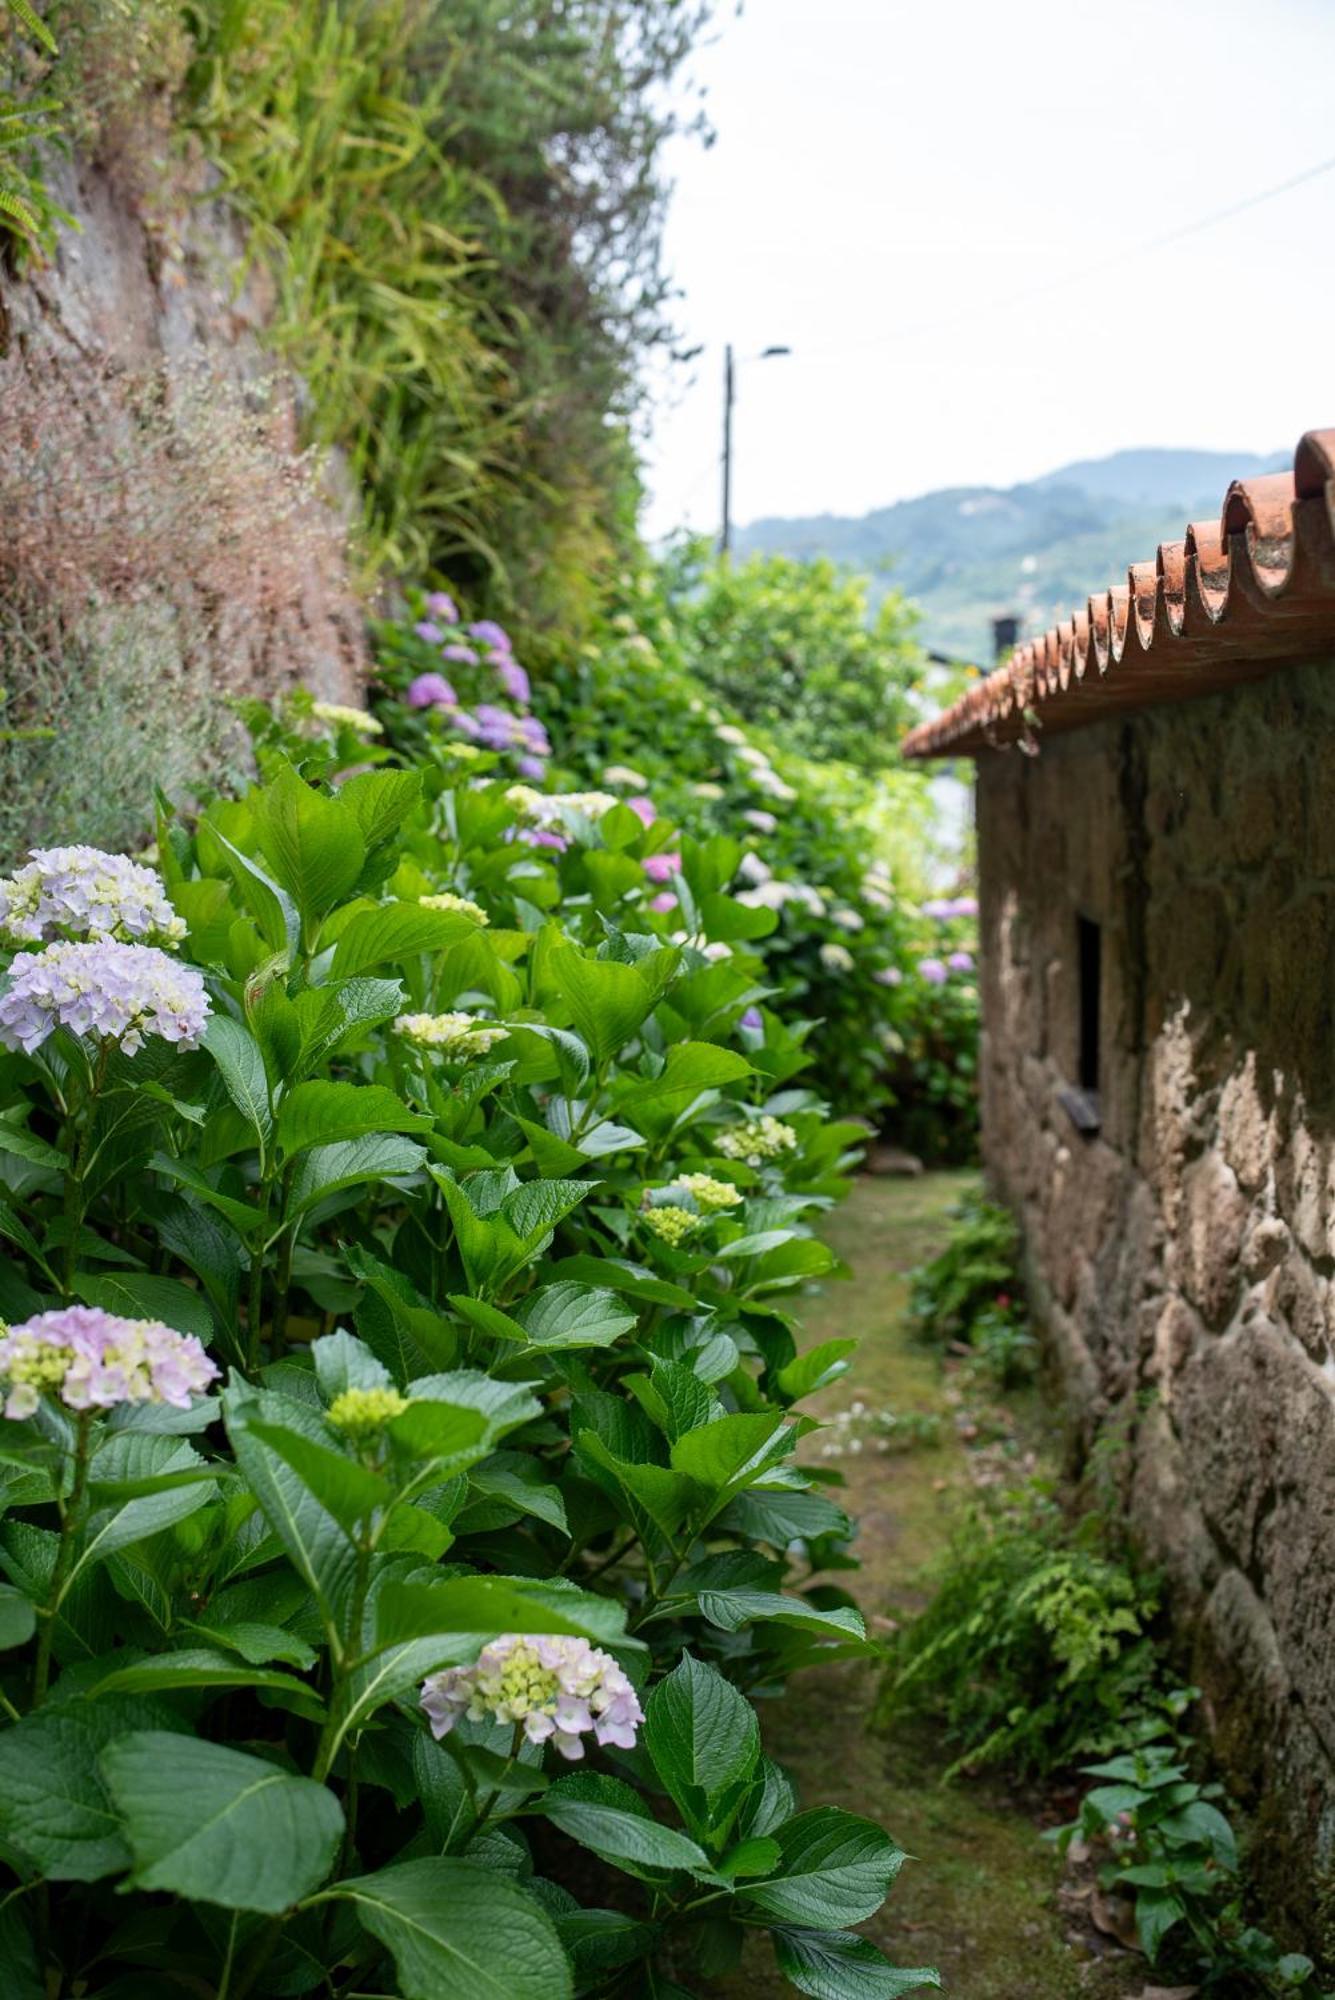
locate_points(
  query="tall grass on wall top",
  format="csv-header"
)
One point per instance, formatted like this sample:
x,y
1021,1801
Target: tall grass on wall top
x,y
397,1490
462,210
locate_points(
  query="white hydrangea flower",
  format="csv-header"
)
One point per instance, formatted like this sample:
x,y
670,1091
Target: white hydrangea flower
x,y
728,732
847,919
338,716
446,899
454,1034
836,958
622,774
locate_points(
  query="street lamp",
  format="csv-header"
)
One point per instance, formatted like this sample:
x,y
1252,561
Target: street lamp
x,y
729,396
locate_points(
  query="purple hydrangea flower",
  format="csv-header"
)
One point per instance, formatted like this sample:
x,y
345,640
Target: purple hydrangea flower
x,y
541,836
960,961
753,1020
531,767
462,656
533,736
938,908
513,679
431,691
966,906
425,629
466,724
120,992
441,605
491,634
933,970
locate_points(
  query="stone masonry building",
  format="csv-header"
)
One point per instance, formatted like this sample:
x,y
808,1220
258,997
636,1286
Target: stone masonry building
x,y
1156,830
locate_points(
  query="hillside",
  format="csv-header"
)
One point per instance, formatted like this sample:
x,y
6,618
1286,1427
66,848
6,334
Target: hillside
x,y
967,552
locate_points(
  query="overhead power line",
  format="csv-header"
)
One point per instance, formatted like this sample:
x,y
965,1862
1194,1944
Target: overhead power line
x,y
893,336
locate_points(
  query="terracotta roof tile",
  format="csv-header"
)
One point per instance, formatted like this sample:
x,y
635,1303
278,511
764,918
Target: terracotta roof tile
x,y
1237,598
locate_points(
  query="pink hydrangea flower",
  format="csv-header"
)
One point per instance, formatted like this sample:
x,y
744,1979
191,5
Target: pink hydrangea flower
x,y
662,902
93,1360
643,808
662,867
559,1690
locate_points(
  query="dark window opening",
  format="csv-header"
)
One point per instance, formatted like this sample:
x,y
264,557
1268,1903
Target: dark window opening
x,y
1081,1104
1090,957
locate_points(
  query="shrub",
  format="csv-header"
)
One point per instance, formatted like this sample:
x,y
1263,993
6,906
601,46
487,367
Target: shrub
x,y
794,647
975,1275
1164,1840
1035,1649
399,1401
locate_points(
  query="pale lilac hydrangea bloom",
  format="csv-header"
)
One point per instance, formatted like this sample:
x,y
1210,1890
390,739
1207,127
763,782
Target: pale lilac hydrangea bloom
x,y
93,1360
82,891
531,767
558,1689
426,629
120,991
889,975
458,655
441,605
933,970
752,1020
534,736
431,691
960,961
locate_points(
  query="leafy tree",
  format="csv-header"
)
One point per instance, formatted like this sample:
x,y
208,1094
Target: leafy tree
x,y
795,648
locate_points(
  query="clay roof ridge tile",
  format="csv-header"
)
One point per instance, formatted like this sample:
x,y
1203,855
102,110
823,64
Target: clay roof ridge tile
x,y
1269,540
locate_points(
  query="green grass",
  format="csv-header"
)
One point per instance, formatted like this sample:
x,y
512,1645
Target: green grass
x,y
977,1900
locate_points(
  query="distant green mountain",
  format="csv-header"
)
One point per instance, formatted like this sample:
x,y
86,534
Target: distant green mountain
x,y
966,553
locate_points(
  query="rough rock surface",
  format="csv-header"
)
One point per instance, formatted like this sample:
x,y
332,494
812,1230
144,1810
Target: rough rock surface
x,y
132,312
1183,1258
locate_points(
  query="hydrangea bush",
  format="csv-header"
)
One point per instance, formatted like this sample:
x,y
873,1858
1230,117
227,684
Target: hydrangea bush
x,y
404,1220
829,865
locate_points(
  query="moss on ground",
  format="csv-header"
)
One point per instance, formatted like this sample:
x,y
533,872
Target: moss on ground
x,y
978,1898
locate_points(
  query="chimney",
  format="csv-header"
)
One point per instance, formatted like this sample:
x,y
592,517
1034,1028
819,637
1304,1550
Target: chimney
x,y
1005,633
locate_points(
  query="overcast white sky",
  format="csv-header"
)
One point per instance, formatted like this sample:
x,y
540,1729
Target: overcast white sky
x,y
890,174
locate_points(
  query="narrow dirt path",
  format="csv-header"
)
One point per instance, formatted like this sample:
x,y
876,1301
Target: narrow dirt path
x,y
977,1900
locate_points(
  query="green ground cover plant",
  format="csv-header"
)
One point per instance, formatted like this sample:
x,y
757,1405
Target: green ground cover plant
x,y
397,1493
1036,1647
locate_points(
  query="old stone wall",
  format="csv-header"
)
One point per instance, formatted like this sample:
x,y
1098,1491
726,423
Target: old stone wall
x,y
149,449
1182,1259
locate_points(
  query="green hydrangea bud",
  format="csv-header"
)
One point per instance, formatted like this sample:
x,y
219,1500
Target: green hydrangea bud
x,y
360,1413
